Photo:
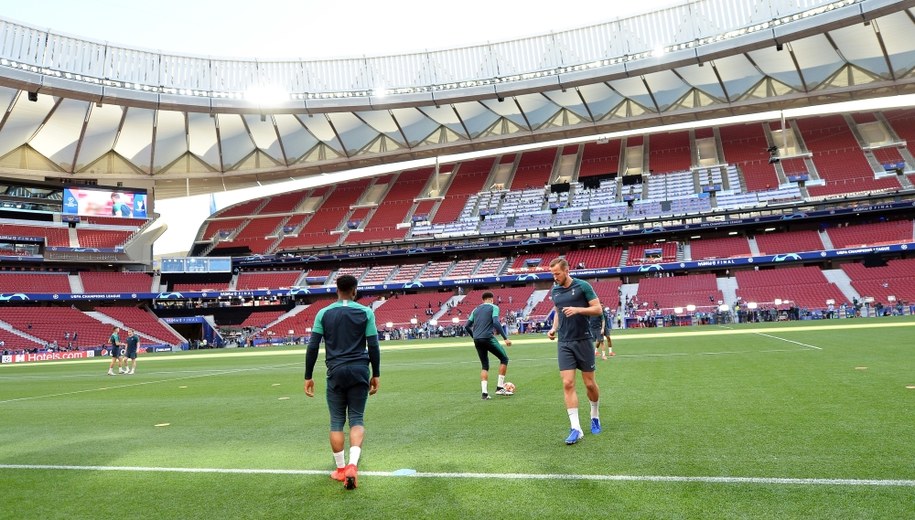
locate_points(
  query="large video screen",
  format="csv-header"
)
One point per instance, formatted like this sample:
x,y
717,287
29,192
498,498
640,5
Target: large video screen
x,y
105,203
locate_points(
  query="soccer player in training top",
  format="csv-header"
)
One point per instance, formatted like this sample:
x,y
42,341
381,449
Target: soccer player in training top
x,y
481,323
133,344
350,345
600,331
574,301
114,343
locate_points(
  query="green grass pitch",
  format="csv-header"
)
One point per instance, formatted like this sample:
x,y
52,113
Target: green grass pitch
x,y
699,422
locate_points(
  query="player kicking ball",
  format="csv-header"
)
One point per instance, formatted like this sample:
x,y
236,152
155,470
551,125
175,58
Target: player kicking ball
x,y
480,325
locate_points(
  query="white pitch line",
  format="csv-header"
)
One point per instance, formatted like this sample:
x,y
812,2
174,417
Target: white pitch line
x,y
788,340
499,476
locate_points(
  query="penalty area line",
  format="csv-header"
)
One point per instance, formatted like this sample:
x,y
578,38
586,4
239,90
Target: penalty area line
x,y
500,476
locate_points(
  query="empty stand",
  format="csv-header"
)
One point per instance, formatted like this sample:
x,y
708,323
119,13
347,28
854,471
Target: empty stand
x,y
266,280
723,247
592,258
788,242
34,283
469,179
671,292
746,147
600,158
896,279
803,287
406,273
894,232
669,152
13,342
534,169
115,282
328,217
54,236
510,299
144,322
838,157
101,238
652,253
53,323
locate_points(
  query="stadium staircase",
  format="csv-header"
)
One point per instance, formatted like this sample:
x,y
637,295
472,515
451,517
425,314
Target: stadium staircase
x,y
76,284
754,247
628,291
16,332
453,301
843,282
687,251
728,287
827,242
536,297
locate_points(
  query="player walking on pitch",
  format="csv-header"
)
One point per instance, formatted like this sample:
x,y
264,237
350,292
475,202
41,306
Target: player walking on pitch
x,y
600,332
481,323
350,345
133,344
574,301
114,343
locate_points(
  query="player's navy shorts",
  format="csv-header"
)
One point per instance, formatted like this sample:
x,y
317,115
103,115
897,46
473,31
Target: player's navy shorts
x,y
116,352
487,345
347,392
576,354
595,334
132,352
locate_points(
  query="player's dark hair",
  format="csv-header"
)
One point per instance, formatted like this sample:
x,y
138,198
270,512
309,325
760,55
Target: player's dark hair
x,y
346,283
561,262
487,295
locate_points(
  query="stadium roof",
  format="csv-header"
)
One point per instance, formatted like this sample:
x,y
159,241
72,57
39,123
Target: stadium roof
x,y
82,109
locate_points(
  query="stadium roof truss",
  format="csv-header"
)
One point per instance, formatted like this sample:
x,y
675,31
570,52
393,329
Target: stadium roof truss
x,y
75,108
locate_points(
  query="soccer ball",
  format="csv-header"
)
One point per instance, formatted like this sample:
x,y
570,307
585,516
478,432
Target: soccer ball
x,y
509,387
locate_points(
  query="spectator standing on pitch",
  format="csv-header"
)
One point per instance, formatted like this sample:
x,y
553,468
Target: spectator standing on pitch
x,y
350,346
480,325
574,301
114,343
133,344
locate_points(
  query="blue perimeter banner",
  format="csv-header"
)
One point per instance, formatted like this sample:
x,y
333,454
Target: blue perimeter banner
x,y
721,263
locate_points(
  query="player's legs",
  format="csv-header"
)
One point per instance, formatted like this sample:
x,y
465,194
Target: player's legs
x,y
609,345
336,405
483,353
590,385
568,388
356,396
115,355
497,350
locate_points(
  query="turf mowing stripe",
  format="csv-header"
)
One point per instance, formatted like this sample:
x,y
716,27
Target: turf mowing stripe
x,y
141,383
499,476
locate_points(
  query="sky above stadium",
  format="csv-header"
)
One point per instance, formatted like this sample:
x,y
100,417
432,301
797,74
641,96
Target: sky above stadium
x,y
282,29
313,29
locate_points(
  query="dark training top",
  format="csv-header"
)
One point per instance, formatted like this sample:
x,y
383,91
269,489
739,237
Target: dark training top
x,y
483,320
578,294
350,336
597,322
